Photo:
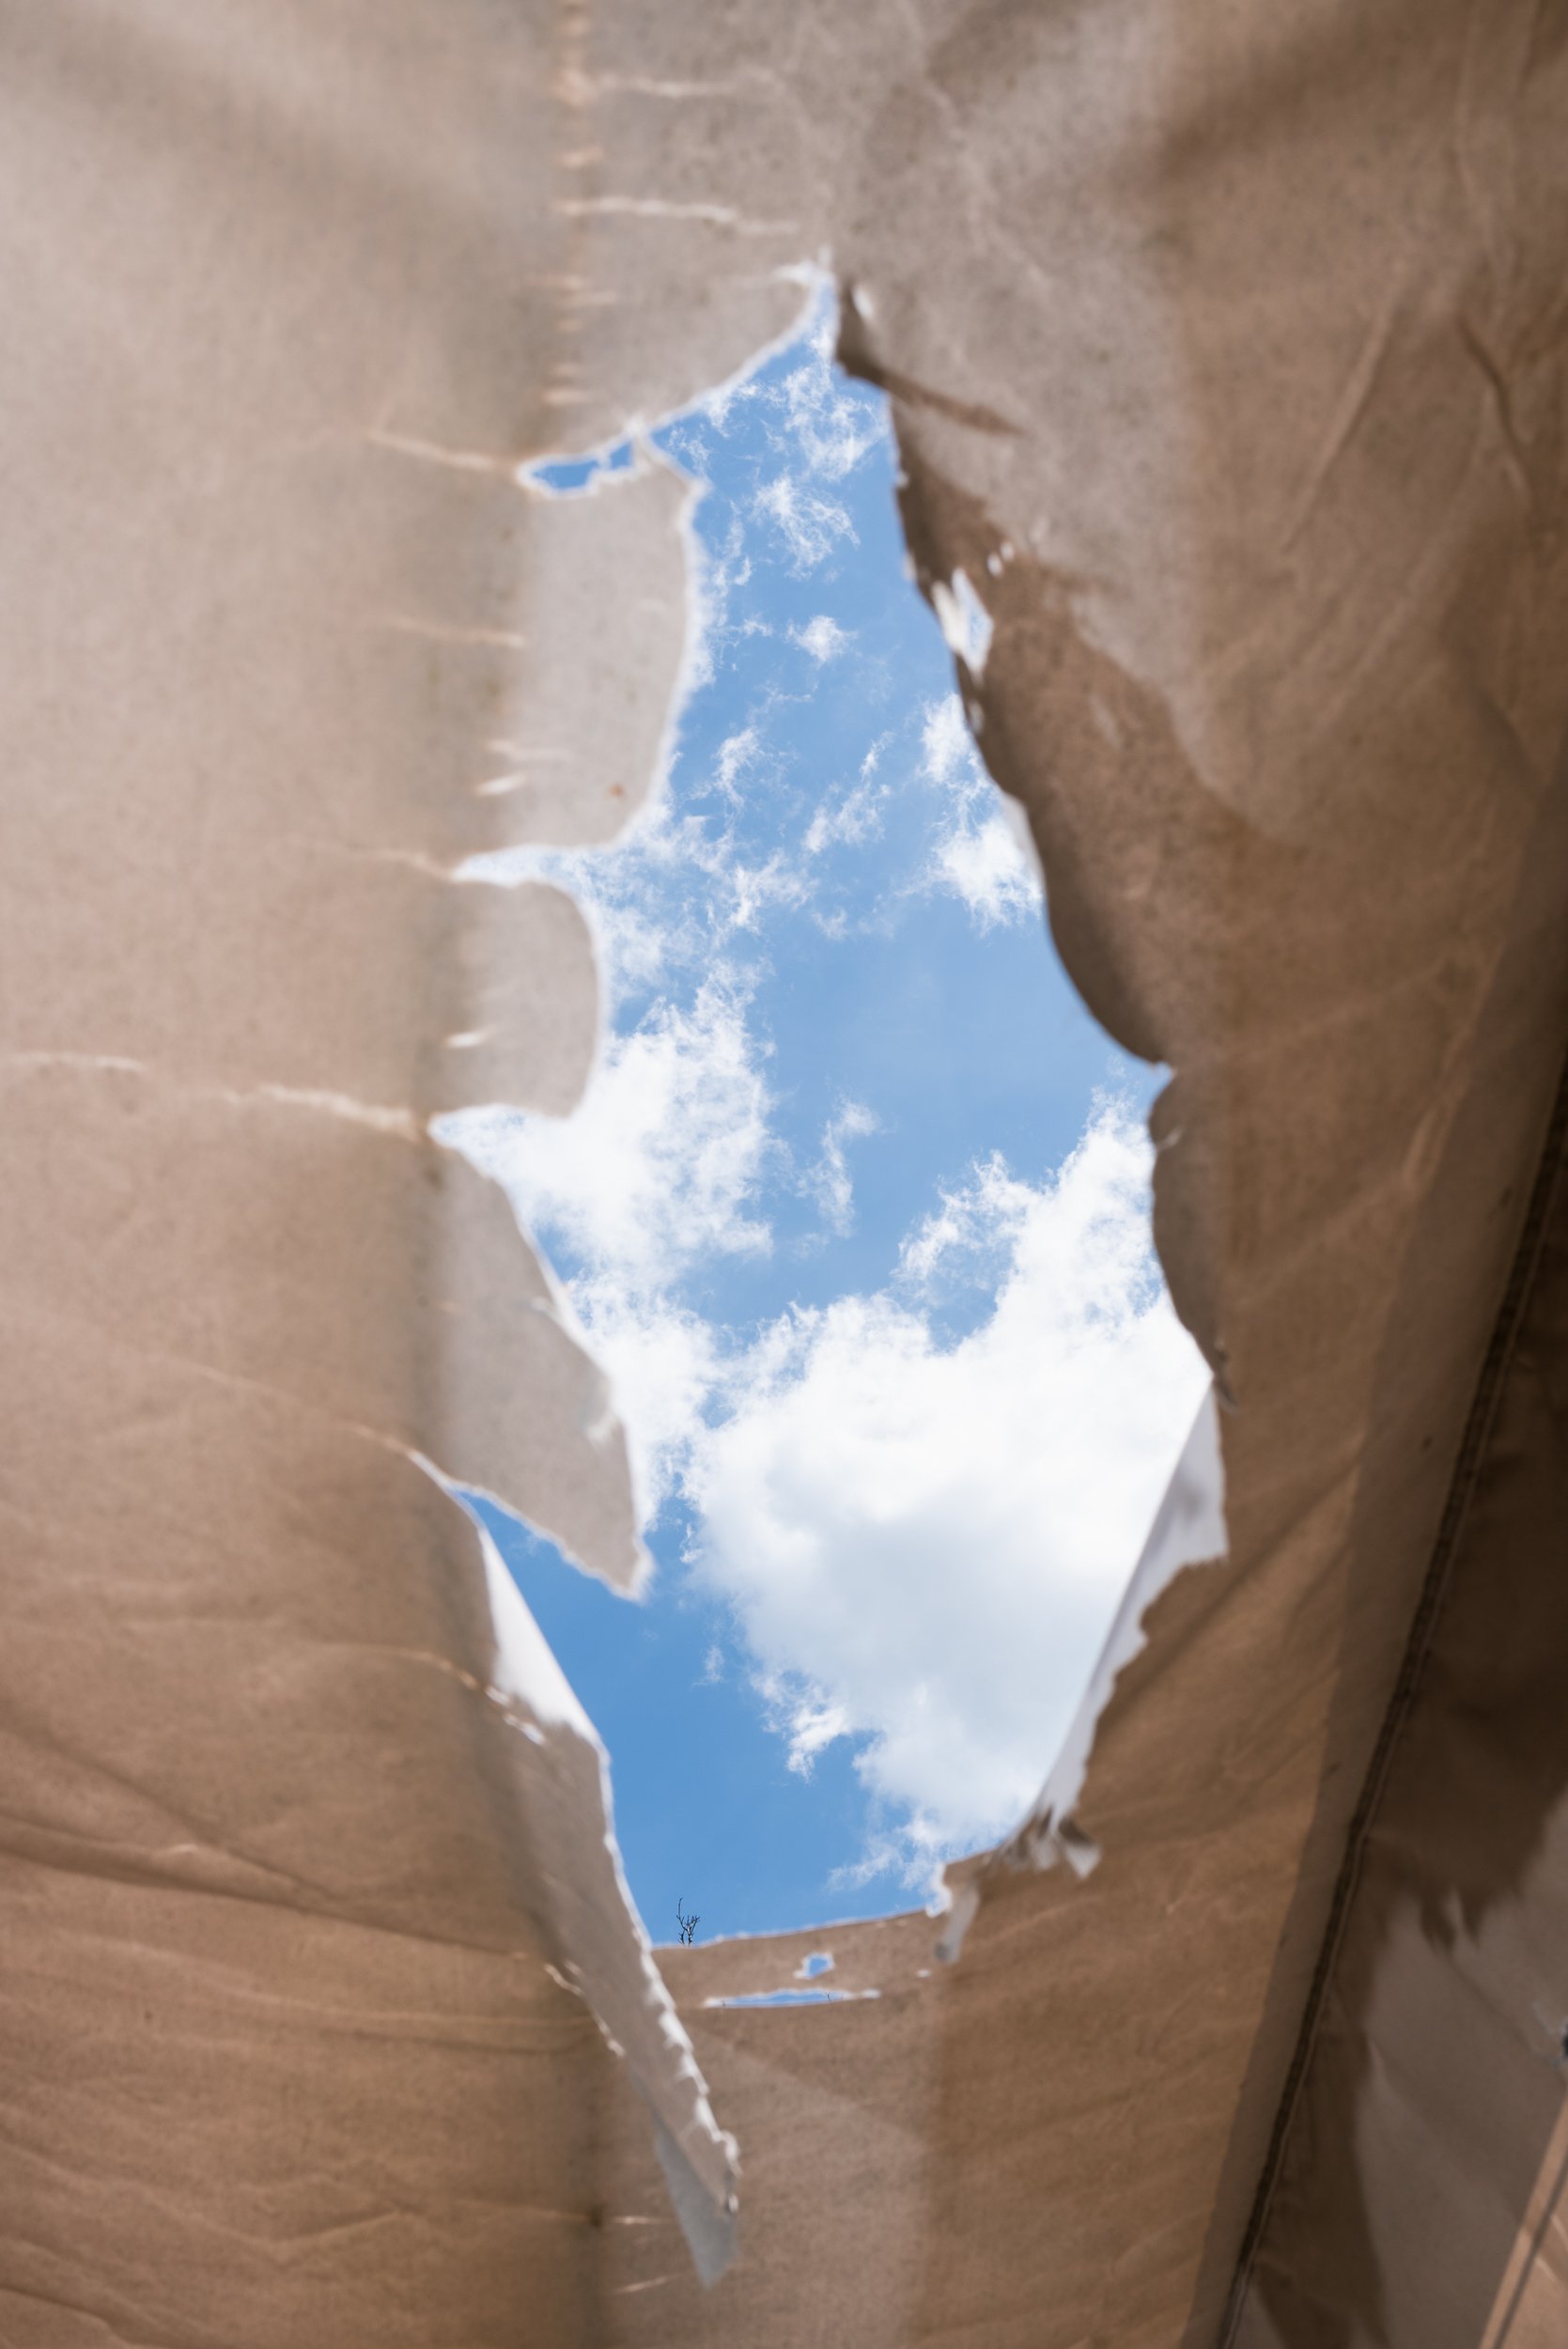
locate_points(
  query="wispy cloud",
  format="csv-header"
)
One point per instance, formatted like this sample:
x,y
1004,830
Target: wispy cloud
x,y
822,638
717,573
980,848
854,815
809,524
738,753
828,1180
834,427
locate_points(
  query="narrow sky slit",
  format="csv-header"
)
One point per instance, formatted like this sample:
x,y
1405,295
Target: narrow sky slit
x,y
855,1214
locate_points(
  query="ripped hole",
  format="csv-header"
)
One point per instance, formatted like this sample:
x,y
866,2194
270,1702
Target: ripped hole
x,y
855,1214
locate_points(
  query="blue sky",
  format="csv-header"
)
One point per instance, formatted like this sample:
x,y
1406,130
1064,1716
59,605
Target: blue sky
x,y
855,1214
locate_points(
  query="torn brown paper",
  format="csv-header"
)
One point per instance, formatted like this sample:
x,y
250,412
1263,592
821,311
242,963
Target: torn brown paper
x,y
1226,360
293,1959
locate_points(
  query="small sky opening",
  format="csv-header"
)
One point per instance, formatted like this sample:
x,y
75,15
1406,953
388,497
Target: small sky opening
x,y
855,1214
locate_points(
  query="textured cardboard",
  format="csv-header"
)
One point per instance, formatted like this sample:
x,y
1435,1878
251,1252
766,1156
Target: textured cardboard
x,y
1225,350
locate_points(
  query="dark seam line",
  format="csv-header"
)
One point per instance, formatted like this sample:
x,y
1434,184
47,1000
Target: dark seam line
x,y
1468,1465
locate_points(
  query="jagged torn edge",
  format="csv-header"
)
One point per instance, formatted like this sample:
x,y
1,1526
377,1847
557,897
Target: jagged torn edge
x,y
624,456
1189,1531
617,458
611,1968
604,1947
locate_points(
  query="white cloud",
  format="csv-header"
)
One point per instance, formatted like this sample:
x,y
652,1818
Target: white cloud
x,y
923,1539
947,747
808,1724
829,1181
822,638
980,849
836,425
658,1168
983,864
